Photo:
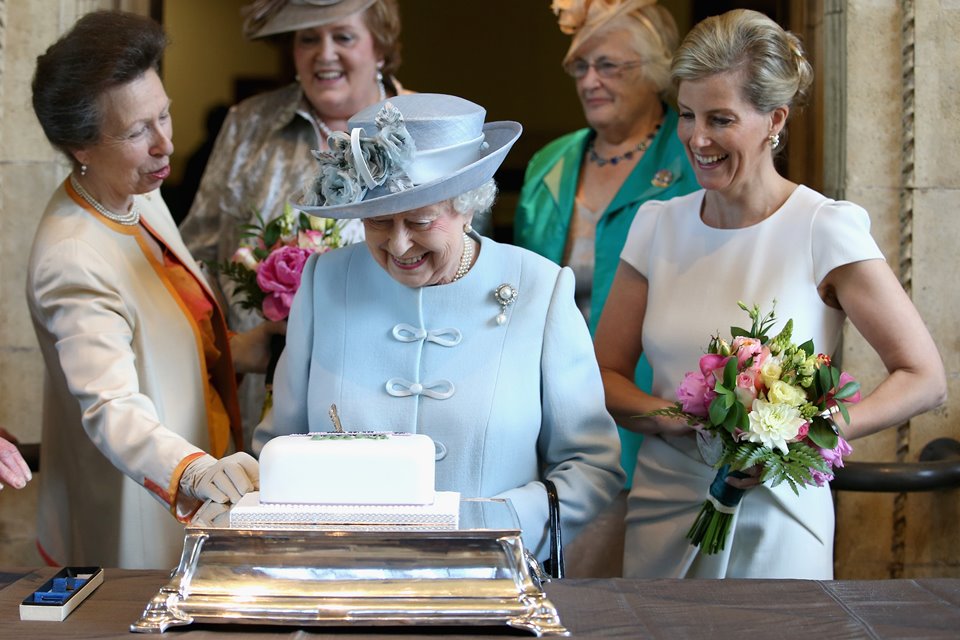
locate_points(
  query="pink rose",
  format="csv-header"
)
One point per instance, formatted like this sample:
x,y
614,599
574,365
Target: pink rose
x,y
312,240
746,387
693,393
279,277
245,257
745,348
803,431
711,366
760,358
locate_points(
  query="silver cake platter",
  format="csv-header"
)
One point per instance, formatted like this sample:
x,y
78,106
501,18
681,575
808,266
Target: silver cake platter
x,y
478,574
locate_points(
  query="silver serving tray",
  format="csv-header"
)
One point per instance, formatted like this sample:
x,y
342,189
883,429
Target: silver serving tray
x,y
386,576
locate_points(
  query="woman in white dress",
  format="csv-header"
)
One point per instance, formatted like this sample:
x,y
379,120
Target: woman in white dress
x,y
749,235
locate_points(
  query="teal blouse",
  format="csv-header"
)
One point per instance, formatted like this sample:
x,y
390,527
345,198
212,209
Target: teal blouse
x,y
542,221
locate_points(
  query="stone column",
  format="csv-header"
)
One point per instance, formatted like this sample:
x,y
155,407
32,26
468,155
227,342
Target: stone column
x,y
891,145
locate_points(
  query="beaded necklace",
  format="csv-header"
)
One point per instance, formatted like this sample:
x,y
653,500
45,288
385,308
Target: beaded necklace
x,y
130,218
600,161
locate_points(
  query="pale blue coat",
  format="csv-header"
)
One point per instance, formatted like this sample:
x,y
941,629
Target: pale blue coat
x,y
500,401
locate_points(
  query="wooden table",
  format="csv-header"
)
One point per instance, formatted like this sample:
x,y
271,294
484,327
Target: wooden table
x,y
607,608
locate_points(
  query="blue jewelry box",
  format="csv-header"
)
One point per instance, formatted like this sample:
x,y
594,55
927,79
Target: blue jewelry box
x,y
61,594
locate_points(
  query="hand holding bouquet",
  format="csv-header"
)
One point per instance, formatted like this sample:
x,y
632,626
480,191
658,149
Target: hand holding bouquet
x,y
770,405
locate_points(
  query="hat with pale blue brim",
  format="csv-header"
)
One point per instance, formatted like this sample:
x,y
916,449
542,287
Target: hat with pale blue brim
x,y
455,153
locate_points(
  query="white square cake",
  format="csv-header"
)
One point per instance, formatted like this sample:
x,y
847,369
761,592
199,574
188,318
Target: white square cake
x,y
362,478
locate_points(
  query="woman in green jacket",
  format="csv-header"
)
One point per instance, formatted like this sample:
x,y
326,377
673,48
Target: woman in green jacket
x,y
582,190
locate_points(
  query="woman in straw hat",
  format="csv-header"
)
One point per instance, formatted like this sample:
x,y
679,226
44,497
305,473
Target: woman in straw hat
x,y
345,53
430,328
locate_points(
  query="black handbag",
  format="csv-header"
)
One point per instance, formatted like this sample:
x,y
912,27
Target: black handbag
x,y
554,565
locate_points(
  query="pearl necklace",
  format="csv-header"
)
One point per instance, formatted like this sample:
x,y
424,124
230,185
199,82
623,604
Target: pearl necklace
x,y
641,147
466,258
130,218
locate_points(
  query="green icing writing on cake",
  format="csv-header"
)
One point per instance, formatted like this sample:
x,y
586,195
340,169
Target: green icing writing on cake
x,y
351,435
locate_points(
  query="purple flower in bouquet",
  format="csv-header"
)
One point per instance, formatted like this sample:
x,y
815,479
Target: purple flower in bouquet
x,y
279,277
834,458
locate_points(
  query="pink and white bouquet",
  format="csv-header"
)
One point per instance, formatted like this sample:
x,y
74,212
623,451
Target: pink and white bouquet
x,y
267,266
767,404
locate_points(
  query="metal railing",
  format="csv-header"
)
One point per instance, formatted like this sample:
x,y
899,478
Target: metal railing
x,y
938,468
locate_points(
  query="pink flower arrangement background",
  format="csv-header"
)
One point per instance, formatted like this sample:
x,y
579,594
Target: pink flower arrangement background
x,y
766,404
267,267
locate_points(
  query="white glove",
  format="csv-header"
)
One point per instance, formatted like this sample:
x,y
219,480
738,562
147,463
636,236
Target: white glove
x,y
212,514
222,481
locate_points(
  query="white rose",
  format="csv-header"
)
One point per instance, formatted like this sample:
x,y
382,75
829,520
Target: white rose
x,y
771,371
781,392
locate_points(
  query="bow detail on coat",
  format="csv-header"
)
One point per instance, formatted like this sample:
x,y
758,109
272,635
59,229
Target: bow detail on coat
x,y
444,337
401,388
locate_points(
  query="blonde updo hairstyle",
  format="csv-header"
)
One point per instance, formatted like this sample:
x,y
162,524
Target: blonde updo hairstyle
x,y
653,35
775,70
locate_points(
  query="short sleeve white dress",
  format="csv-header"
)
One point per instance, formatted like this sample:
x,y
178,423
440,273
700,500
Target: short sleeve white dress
x,y
696,274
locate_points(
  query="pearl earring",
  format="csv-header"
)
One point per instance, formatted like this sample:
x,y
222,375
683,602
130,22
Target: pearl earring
x,y
83,169
468,228
774,140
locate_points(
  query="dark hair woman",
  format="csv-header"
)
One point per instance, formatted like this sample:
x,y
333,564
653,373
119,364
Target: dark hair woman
x,y
140,414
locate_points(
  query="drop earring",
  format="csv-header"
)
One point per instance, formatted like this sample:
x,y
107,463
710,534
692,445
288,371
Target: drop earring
x,y
380,87
83,169
774,140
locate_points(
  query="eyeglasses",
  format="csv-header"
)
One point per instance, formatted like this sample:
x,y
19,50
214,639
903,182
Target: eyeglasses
x,y
605,68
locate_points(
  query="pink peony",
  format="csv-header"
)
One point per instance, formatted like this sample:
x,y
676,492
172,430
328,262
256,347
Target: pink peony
x,y
693,394
279,277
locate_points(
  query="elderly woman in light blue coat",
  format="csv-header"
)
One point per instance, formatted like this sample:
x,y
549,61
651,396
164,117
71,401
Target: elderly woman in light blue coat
x,y
430,328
